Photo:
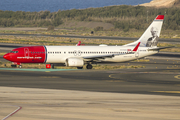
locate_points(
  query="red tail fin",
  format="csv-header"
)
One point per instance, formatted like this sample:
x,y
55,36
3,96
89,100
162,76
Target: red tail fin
x,y
160,17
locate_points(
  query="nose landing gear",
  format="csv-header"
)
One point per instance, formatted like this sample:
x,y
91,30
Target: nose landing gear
x,y
14,65
20,66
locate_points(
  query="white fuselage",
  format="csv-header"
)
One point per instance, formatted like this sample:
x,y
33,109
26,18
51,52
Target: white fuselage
x,y
59,54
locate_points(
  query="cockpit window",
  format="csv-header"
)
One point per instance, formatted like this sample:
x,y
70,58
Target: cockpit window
x,y
14,52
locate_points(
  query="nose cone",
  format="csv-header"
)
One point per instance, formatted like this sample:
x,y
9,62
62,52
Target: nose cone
x,y
6,56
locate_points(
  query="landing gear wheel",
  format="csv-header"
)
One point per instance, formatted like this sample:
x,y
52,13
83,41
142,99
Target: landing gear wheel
x,y
79,67
20,66
13,66
89,66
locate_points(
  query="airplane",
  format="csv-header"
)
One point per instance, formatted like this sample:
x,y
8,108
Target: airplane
x,y
77,56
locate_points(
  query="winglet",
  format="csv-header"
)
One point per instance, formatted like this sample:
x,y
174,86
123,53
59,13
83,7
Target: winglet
x,y
137,46
79,43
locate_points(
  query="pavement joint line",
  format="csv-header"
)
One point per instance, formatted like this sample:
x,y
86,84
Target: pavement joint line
x,y
111,75
145,73
163,58
114,80
49,77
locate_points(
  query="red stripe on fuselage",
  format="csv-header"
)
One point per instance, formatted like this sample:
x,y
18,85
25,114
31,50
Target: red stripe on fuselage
x,y
30,54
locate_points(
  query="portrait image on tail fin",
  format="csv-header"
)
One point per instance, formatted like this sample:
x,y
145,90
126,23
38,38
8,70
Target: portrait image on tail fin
x,y
151,36
152,41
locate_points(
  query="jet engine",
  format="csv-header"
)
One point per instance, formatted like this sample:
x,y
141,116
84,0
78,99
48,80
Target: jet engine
x,y
74,62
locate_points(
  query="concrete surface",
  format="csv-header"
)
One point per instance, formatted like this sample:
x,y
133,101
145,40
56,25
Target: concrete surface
x,y
41,104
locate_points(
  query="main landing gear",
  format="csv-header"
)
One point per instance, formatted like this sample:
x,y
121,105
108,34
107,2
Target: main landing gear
x,y
89,66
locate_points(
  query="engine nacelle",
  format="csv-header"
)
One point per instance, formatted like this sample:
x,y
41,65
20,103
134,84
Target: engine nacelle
x,y
74,62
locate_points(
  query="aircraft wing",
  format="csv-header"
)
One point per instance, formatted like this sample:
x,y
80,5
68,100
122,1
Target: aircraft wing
x,y
99,57
91,58
158,48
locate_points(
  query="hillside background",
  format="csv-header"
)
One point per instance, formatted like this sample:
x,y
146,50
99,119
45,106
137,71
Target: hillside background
x,y
121,17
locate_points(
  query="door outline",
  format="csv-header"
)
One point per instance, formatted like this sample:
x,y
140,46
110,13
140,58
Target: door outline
x,y
26,52
75,53
79,53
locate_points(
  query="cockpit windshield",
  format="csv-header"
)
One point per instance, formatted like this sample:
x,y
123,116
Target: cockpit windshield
x,y
14,52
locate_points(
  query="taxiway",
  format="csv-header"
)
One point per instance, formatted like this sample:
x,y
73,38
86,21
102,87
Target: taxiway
x,y
147,93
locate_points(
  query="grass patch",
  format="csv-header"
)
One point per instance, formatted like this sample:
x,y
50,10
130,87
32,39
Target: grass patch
x,y
1,54
141,60
57,40
87,32
31,40
8,65
110,67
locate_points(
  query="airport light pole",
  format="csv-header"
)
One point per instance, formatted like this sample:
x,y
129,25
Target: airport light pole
x,y
147,16
164,17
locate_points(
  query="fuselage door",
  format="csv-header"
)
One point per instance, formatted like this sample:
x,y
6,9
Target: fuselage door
x,y
79,53
75,53
26,52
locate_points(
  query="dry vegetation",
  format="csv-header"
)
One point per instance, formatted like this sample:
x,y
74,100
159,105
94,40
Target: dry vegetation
x,y
121,17
29,40
1,54
57,41
107,67
87,32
